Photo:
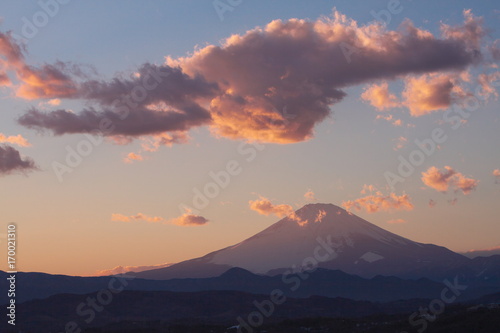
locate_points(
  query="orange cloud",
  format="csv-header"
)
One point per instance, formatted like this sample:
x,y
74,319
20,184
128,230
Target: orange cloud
x,y
442,180
378,202
264,206
378,95
431,92
126,269
48,81
133,157
309,195
16,140
188,219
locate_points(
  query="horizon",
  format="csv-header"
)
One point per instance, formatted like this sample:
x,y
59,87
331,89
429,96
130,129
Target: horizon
x,y
167,131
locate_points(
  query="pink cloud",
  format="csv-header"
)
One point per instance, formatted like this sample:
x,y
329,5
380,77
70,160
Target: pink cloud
x,y
376,202
442,180
131,157
274,83
378,96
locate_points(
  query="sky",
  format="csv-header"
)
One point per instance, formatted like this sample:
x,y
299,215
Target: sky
x,y
147,133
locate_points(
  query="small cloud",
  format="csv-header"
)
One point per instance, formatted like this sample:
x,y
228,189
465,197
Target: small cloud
x,y
378,95
11,161
264,206
442,180
453,202
400,143
376,202
496,174
432,203
54,102
189,219
309,196
396,221
16,140
131,157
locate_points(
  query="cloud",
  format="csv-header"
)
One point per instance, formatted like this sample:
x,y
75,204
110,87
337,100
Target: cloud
x,y
16,140
264,206
378,96
11,161
432,203
131,157
488,83
188,219
126,269
400,143
46,81
376,202
270,84
442,180
431,92
137,217
396,221
309,196
496,174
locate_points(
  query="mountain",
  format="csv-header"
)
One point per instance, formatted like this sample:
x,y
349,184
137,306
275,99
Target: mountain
x,y
326,236
321,282
164,311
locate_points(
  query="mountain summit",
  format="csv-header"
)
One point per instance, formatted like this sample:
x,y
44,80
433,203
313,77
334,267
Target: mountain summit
x,y
327,235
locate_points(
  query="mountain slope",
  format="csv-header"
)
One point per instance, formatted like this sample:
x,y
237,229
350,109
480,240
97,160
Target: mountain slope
x,y
328,236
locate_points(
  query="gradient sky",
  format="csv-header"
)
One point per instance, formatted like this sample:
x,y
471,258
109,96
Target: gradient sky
x,y
111,211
